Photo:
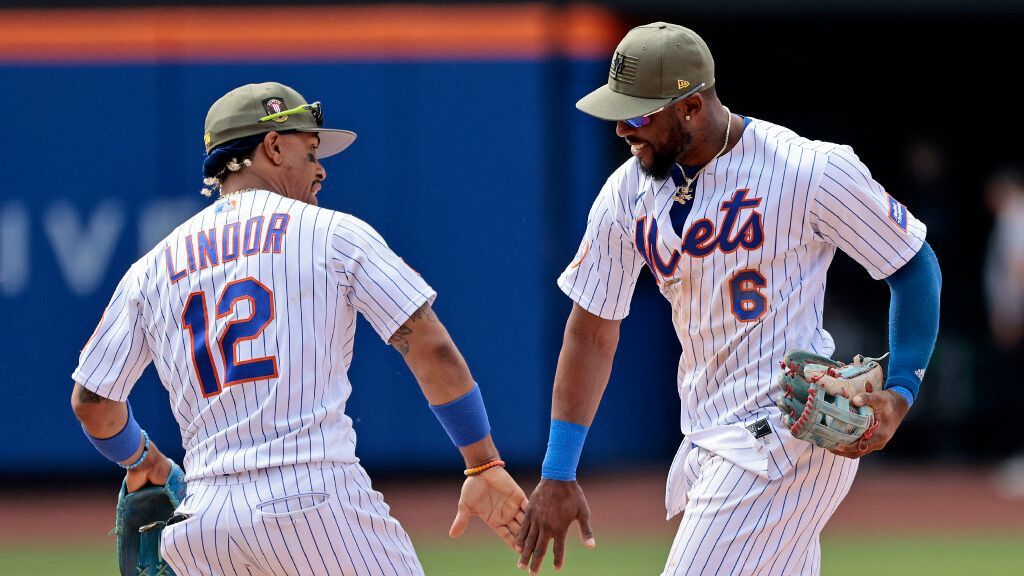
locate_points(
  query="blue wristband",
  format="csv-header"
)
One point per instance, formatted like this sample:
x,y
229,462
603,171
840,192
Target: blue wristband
x,y
142,457
120,446
565,444
465,418
901,387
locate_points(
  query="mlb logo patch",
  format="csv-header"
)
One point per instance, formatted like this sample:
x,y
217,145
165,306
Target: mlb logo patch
x,y
226,205
898,213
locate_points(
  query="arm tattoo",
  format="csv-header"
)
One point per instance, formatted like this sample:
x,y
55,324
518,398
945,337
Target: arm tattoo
x,y
425,312
400,338
90,397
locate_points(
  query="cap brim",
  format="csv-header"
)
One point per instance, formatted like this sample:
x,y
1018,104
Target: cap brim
x,y
606,104
332,141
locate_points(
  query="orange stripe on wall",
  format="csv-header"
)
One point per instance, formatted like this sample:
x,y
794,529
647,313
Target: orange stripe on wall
x,y
308,33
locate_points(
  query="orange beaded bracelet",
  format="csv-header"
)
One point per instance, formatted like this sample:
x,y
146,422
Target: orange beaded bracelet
x,y
483,467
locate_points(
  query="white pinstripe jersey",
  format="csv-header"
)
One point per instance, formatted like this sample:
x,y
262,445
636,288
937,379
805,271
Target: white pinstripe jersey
x,y
248,311
746,273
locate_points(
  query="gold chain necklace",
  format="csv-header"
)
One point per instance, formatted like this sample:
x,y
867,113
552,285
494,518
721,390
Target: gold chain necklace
x,y
683,193
239,191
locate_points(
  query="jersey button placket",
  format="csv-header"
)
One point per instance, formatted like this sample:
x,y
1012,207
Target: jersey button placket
x,y
695,275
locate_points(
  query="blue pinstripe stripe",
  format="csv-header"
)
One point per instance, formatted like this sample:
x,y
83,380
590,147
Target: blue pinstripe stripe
x,y
364,493
270,545
758,529
219,536
398,542
243,528
355,258
820,514
280,483
784,513
721,533
381,255
800,525
348,525
693,520
187,540
748,532
312,538
839,204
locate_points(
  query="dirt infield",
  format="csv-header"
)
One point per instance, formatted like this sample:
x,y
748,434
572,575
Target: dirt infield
x,y
945,500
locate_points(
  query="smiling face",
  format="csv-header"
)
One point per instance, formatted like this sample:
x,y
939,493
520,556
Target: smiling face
x,y
302,175
659,144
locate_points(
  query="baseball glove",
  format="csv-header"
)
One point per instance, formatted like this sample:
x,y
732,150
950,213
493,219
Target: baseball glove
x,y
816,398
141,517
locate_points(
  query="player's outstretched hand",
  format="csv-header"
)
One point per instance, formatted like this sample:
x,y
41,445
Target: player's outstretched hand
x,y
496,498
553,507
890,409
154,470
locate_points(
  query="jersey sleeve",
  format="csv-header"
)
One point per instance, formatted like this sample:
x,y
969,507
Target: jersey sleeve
x,y
380,285
602,276
115,356
852,211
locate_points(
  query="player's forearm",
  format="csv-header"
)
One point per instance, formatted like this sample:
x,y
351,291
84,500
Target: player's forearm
x,y
442,373
432,357
480,452
447,384
584,366
101,417
913,321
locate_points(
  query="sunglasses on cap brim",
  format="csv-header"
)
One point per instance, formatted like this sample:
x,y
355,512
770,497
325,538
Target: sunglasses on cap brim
x,y
315,109
644,120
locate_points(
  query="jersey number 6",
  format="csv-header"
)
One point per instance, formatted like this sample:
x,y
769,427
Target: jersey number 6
x,y
195,320
748,303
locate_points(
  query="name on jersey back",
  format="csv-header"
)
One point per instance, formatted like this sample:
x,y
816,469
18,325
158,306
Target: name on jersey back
x,y
225,243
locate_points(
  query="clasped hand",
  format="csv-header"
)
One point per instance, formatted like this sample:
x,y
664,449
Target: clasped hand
x,y
553,506
496,498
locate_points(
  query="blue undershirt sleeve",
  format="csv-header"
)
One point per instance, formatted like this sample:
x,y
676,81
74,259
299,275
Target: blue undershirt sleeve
x,y
913,321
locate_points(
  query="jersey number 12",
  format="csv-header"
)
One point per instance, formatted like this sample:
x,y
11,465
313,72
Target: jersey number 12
x,y
195,320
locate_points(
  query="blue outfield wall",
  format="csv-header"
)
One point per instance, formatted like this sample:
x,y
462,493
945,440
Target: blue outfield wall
x,y
479,173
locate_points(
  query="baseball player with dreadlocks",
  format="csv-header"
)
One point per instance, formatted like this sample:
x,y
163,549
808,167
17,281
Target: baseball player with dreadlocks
x,y
248,312
738,220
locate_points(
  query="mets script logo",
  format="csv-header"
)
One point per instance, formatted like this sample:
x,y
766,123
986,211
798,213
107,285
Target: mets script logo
x,y
273,106
702,238
618,65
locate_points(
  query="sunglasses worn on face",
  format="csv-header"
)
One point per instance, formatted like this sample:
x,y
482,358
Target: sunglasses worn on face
x,y
315,109
644,120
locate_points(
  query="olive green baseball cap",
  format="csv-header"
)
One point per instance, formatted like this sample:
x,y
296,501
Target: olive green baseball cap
x,y
652,65
269,107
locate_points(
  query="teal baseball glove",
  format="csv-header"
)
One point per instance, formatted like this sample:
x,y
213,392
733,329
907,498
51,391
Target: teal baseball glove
x,y
141,517
816,398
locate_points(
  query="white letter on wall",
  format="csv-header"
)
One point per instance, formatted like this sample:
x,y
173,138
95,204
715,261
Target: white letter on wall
x,y
14,249
83,252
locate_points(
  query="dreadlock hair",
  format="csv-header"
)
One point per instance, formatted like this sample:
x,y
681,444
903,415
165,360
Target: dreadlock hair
x,y
228,158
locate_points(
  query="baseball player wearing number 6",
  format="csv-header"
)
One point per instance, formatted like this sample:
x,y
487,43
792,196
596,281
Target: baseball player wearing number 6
x,y
738,220
248,312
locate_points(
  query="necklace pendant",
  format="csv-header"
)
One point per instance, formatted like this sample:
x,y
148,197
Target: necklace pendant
x,y
682,194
